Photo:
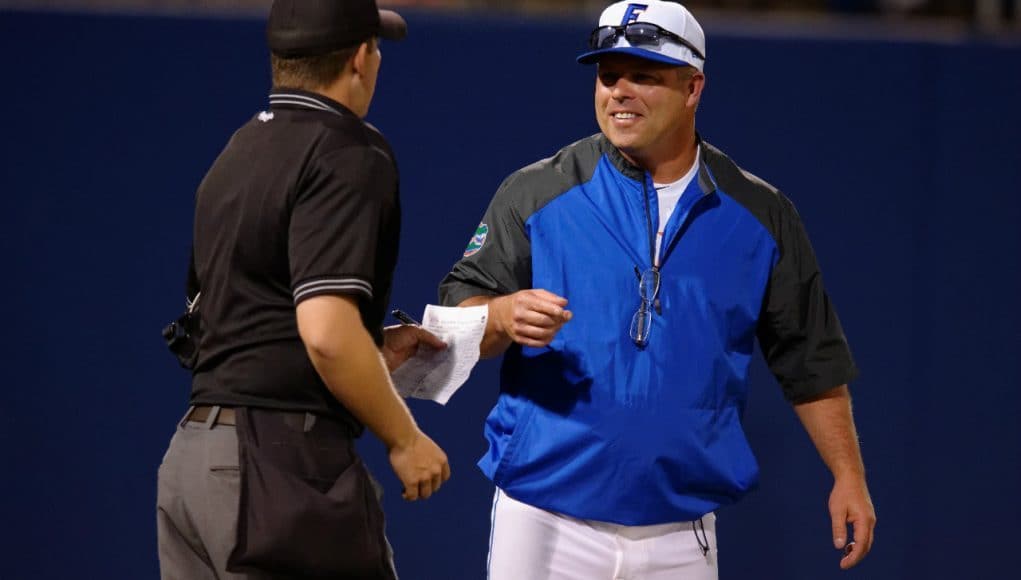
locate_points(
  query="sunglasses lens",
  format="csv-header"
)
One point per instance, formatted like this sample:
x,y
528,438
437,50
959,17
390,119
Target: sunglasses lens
x,y
640,34
603,37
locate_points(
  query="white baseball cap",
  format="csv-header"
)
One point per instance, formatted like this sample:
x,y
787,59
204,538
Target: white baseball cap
x,y
674,37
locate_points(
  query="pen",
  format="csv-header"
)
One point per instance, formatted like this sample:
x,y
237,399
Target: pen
x,y
404,317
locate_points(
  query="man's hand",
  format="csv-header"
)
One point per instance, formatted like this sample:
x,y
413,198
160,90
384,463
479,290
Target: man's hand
x,y
850,504
530,317
420,465
402,341
827,418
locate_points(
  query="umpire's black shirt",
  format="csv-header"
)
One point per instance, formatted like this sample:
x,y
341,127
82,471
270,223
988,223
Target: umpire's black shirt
x,y
302,202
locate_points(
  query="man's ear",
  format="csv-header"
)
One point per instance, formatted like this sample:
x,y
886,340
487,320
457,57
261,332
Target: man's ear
x,y
695,84
359,60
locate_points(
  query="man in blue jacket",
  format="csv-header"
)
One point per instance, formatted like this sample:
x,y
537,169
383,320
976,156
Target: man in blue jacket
x,y
617,432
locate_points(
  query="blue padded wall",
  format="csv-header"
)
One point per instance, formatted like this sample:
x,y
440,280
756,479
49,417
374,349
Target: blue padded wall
x,y
902,158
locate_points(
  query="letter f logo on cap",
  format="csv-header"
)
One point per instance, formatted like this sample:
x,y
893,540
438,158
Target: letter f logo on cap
x,y
633,12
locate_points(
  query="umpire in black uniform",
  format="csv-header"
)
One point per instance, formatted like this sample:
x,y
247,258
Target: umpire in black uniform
x,y
296,231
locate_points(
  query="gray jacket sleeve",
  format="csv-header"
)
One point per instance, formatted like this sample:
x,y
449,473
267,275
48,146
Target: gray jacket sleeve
x,y
799,332
498,258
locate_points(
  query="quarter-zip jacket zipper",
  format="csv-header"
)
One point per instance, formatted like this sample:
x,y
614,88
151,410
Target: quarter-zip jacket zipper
x,y
668,245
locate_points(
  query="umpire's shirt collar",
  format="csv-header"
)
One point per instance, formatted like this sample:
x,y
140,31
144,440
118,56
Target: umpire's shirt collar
x,y
299,99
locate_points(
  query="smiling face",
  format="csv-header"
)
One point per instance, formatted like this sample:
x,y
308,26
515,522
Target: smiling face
x,y
646,108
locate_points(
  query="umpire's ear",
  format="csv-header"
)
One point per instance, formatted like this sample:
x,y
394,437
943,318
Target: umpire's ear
x,y
360,61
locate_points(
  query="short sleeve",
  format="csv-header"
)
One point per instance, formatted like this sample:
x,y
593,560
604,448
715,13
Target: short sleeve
x,y
338,211
191,286
497,259
800,334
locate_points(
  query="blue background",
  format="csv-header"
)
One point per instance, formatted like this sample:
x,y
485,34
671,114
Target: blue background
x,y
902,158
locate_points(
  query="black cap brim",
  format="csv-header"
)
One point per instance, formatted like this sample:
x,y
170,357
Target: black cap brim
x,y
391,25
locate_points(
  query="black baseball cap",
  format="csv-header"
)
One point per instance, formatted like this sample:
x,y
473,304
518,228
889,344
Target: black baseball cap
x,y
299,28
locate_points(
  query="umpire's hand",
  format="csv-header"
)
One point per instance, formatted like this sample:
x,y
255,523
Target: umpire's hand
x,y
421,466
401,342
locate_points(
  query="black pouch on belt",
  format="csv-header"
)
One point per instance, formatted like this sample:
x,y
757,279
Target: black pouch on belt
x,y
308,507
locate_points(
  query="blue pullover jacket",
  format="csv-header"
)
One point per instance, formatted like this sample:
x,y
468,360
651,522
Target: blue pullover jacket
x,y
598,427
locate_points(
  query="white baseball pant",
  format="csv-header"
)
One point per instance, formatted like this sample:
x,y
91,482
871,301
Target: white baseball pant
x,y
530,543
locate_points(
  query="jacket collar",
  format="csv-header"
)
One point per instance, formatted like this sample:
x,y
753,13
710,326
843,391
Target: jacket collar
x,y
706,182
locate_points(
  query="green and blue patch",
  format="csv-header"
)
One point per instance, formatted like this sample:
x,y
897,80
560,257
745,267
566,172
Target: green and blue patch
x,y
477,241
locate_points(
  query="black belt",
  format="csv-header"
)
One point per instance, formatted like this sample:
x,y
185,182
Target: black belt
x,y
299,420
200,414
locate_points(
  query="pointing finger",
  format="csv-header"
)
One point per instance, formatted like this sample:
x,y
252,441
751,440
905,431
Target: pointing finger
x,y
838,520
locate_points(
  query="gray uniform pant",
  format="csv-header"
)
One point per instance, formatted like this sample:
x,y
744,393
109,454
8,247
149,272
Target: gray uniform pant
x,y
197,502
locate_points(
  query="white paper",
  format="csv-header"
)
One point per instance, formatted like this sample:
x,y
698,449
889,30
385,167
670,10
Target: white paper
x,y
437,374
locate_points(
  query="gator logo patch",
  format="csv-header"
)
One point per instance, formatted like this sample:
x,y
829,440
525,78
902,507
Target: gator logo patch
x,y
475,244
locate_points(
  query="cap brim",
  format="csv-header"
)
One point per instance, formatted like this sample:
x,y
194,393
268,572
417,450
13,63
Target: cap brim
x,y
593,56
391,25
